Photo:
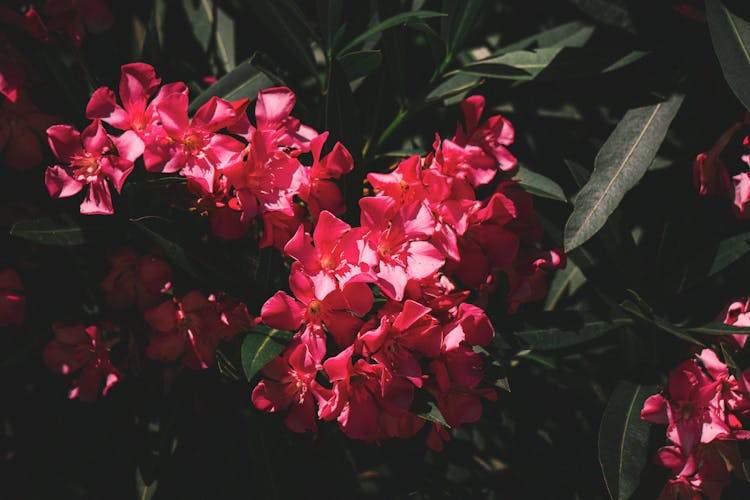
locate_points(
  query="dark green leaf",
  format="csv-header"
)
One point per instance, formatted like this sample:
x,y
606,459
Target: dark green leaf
x,y
426,409
638,311
553,331
200,15
329,14
49,231
623,439
730,251
619,165
731,38
245,81
144,491
610,12
539,185
454,85
565,282
260,346
361,63
162,231
467,14
720,329
553,63
225,49
391,22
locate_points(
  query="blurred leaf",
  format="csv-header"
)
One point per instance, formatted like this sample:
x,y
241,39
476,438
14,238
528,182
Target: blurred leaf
x,y
565,280
426,409
539,185
144,491
391,22
731,38
329,15
260,346
200,15
163,232
361,63
49,231
619,165
558,330
553,63
720,329
461,20
730,251
153,40
290,26
225,49
643,312
245,81
623,439
454,85
572,34
610,12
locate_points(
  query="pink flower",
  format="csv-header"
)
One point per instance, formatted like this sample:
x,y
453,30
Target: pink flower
x,y
88,158
82,348
336,310
135,280
403,336
12,298
22,130
737,314
273,116
77,17
189,328
138,82
290,382
361,391
193,147
279,226
741,184
710,175
333,261
319,191
394,246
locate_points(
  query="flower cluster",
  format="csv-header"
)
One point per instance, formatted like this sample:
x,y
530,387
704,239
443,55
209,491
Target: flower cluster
x,y
706,411
186,328
244,173
711,176
377,309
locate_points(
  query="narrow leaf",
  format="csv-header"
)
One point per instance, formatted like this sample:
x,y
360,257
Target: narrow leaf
x,y
610,12
391,22
225,49
619,165
361,63
623,439
201,18
245,81
49,231
260,346
454,85
539,185
426,409
730,251
720,329
731,38
560,332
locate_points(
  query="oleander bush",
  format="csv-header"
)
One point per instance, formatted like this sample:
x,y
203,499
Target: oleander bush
x,y
385,249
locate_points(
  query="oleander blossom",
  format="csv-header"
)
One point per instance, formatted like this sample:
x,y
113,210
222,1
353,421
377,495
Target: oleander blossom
x,y
706,410
379,312
85,351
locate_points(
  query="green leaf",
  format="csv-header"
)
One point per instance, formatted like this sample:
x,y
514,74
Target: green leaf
x,y
329,15
244,81
467,14
391,22
260,346
426,409
730,251
552,331
61,232
731,38
163,233
720,329
539,185
225,49
565,280
290,27
200,14
645,313
454,85
610,12
361,63
619,165
623,439
552,63
143,490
